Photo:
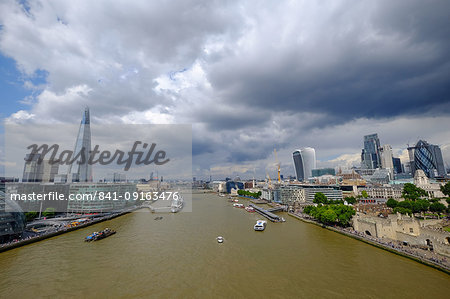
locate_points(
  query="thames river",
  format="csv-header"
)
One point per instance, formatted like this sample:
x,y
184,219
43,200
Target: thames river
x,y
179,256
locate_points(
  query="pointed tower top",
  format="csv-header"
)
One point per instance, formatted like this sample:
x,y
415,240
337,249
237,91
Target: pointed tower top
x,y
86,118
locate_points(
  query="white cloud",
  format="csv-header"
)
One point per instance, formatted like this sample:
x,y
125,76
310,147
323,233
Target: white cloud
x,y
249,77
20,117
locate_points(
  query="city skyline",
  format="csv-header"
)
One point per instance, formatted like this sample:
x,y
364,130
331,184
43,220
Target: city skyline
x,y
313,74
147,148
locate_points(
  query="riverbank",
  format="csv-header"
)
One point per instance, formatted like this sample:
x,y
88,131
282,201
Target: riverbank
x,y
61,231
389,246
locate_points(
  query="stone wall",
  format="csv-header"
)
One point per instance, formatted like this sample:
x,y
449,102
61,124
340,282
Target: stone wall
x,y
405,229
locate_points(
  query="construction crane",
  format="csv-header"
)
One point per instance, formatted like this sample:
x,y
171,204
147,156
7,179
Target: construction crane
x,y
278,165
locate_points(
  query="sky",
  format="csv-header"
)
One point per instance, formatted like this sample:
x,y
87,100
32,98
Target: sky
x,y
250,76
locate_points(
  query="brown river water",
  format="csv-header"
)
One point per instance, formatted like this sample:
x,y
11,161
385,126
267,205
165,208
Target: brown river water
x,y
179,257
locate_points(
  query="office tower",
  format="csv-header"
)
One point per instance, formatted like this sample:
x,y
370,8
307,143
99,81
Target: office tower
x,y
80,170
38,171
370,158
49,171
386,157
323,171
397,165
32,169
304,162
427,157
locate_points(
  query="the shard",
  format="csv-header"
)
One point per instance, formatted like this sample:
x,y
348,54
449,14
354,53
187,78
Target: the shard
x,y
80,170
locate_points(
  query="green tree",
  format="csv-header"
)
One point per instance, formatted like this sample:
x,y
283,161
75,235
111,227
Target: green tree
x,y
437,207
446,189
351,200
333,213
308,209
391,203
328,216
421,205
48,212
30,216
406,204
364,194
344,213
411,192
319,197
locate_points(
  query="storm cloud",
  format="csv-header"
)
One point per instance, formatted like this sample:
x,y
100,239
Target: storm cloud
x,y
249,76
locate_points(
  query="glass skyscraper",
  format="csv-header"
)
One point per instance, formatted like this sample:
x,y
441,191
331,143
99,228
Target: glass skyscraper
x,y
370,157
12,219
427,157
304,162
397,165
82,172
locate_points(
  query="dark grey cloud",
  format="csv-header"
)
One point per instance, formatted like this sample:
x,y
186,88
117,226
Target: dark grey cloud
x,y
249,77
381,62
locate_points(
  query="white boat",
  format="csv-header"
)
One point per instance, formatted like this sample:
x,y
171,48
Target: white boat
x,y
177,204
238,205
220,239
260,225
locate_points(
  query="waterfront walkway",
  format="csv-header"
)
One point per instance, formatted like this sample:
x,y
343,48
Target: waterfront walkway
x,y
27,239
424,256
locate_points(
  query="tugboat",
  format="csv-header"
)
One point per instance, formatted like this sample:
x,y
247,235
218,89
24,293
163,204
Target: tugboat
x,y
95,236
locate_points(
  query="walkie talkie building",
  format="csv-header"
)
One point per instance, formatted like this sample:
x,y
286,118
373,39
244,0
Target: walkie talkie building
x,y
304,162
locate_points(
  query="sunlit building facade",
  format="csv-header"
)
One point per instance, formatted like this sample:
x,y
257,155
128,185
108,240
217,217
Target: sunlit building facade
x,y
370,157
304,162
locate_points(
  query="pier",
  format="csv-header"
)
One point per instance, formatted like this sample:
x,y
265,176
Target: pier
x,y
268,214
276,209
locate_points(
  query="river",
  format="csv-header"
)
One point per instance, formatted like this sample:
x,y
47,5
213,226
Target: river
x,y
179,256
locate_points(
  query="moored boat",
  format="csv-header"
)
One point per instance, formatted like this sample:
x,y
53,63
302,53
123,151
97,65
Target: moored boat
x,y
95,236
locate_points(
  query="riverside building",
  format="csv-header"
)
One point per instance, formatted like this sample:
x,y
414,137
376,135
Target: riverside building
x,y
105,197
304,194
